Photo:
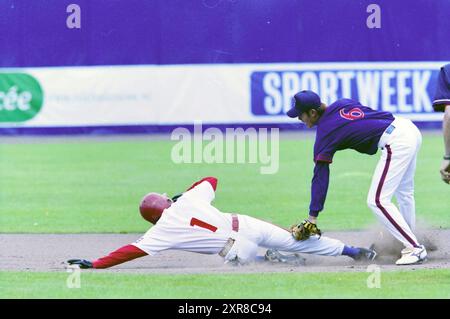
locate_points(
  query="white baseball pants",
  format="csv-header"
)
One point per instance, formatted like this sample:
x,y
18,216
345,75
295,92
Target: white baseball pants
x,y
394,175
254,232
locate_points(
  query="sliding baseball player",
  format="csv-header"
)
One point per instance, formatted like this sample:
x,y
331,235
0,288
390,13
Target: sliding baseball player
x,y
189,222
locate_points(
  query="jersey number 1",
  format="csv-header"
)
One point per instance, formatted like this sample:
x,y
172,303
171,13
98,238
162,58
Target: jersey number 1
x,y
202,224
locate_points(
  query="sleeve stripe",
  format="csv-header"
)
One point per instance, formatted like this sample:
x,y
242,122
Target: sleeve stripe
x,y
209,179
212,181
121,255
323,158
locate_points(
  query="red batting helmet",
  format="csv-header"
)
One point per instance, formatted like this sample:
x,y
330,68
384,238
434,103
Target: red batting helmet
x,y
153,205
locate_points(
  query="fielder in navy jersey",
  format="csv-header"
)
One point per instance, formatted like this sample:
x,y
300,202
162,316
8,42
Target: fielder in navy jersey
x,y
346,124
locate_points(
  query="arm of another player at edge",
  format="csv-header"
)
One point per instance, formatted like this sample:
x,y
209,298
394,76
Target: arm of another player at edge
x,y
446,129
119,256
444,169
319,189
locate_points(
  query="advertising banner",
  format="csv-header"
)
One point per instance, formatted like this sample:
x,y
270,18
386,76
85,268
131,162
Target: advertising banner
x,y
214,94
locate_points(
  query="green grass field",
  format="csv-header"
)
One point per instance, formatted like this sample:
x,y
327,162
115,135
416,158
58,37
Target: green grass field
x,y
94,186
97,186
398,284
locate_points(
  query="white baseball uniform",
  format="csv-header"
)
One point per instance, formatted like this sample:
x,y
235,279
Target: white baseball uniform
x,y
394,175
193,224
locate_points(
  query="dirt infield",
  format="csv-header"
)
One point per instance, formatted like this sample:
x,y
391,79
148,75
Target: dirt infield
x,y
48,252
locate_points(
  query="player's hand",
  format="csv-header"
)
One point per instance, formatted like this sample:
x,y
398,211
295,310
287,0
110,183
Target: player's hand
x,y
445,171
304,230
84,264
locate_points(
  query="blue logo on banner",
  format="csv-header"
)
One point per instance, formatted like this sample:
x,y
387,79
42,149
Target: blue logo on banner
x,y
395,91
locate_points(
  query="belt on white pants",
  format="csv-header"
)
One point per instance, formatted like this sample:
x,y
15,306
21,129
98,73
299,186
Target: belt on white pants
x,y
230,241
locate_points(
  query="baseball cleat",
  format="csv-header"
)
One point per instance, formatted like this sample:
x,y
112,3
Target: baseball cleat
x,y
274,255
412,256
366,254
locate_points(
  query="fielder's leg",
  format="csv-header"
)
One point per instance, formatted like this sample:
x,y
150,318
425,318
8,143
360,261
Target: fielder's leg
x,y
405,196
405,191
388,175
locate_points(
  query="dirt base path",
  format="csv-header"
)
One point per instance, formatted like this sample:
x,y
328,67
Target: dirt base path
x,y
48,252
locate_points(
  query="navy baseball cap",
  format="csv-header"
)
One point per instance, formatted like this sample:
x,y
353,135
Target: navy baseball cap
x,y
304,101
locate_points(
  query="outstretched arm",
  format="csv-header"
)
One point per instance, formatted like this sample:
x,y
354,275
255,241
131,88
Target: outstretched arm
x,y
121,255
319,189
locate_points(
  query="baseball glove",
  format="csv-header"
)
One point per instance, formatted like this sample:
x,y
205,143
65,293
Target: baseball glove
x,y
304,230
445,170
